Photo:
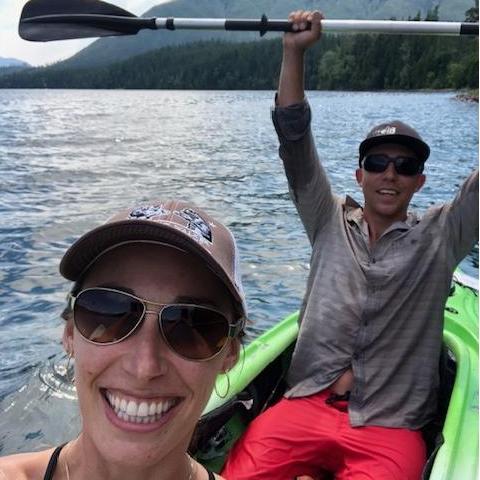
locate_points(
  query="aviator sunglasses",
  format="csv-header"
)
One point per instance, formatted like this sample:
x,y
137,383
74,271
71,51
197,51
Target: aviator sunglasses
x,y
377,163
105,316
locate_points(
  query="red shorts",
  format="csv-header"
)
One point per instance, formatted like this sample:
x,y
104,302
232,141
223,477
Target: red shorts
x,y
308,436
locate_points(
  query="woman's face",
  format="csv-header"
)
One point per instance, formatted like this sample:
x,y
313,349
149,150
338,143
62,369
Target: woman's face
x,y
141,371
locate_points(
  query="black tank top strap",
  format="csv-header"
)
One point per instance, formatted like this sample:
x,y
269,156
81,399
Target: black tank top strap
x,y
211,476
52,464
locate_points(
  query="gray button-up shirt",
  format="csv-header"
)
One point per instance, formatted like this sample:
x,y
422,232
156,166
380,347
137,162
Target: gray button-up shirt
x,y
376,309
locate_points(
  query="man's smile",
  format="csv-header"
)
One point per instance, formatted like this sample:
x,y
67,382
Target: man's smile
x,y
388,191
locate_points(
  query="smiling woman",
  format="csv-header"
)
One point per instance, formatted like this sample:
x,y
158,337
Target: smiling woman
x,y
153,317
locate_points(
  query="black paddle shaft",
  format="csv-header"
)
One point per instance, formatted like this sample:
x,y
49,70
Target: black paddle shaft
x,y
263,26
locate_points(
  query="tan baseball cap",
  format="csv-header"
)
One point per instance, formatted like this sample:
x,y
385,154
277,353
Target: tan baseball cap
x,y
172,222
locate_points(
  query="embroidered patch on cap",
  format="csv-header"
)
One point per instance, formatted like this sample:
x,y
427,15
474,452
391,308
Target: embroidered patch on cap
x,y
196,223
189,221
147,212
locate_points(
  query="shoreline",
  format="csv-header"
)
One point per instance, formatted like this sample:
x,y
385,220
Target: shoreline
x,y
467,96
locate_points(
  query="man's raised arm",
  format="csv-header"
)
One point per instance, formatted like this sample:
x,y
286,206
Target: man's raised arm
x,y
291,82
309,187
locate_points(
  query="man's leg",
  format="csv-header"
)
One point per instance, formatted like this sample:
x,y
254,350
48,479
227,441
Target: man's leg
x,y
380,453
292,438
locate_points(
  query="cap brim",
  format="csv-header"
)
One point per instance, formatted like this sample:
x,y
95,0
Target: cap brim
x,y
91,246
421,149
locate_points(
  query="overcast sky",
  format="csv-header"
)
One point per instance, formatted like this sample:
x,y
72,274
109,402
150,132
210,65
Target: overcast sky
x,y
39,53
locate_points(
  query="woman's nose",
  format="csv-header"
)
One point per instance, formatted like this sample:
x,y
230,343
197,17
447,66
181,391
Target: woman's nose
x,y
147,357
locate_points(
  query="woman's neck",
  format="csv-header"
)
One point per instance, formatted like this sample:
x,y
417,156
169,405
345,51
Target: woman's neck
x,y
81,459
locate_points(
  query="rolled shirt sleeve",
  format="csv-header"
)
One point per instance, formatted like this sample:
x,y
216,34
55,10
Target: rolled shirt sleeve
x,y
309,187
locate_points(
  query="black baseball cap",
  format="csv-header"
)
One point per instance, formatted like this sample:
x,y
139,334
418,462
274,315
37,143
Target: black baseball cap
x,y
395,132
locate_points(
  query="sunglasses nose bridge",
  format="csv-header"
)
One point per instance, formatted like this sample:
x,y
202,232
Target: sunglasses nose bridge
x,y
152,312
391,168
158,319
147,360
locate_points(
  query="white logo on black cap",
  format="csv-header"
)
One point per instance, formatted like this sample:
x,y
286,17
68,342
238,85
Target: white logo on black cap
x,y
385,131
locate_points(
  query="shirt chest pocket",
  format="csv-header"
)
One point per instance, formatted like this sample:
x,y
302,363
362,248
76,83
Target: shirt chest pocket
x,y
408,250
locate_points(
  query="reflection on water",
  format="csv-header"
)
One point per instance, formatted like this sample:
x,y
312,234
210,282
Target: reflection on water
x,y
42,412
59,377
68,159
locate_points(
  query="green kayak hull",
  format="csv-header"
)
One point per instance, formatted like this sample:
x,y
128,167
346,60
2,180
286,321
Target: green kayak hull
x,y
457,458
454,457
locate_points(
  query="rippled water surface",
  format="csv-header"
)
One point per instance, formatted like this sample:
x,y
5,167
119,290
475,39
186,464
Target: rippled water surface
x,y
70,158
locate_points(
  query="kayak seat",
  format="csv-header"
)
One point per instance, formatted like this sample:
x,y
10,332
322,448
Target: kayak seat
x,y
208,432
432,432
218,430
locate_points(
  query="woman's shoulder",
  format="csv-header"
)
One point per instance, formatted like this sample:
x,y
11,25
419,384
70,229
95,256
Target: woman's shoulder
x,y
23,466
203,473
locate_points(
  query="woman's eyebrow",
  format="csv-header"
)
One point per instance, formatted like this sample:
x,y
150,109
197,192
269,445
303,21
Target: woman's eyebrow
x,y
117,287
195,300
187,299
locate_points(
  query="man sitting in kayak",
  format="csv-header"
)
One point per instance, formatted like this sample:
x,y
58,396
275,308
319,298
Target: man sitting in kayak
x,y
364,374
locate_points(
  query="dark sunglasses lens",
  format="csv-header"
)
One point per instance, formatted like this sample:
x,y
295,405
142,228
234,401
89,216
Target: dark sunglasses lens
x,y
375,163
194,332
403,165
407,166
103,316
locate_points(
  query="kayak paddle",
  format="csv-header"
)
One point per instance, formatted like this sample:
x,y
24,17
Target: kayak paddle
x,y
46,20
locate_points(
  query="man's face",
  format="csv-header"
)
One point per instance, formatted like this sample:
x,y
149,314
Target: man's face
x,y
388,194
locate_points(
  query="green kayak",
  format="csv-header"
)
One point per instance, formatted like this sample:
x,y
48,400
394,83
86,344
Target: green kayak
x,y
257,381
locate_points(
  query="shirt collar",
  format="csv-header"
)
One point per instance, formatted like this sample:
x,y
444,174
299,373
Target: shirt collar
x,y
353,210
354,213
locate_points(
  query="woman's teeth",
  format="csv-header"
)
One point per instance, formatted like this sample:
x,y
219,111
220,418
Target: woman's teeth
x,y
138,411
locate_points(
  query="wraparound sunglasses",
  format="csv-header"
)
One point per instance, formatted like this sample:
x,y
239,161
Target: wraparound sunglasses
x,y
105,316
377,163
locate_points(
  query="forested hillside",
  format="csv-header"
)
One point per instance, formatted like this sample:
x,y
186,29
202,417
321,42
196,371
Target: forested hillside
x,y
347,62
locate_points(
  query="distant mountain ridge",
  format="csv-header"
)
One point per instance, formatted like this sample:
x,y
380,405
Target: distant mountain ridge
x,y
110,50
12,62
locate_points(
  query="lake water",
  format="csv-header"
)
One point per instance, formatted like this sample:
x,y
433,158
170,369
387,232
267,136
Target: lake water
x,y
68,159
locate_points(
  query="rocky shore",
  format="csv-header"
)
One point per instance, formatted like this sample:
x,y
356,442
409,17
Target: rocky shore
x,y
468,96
